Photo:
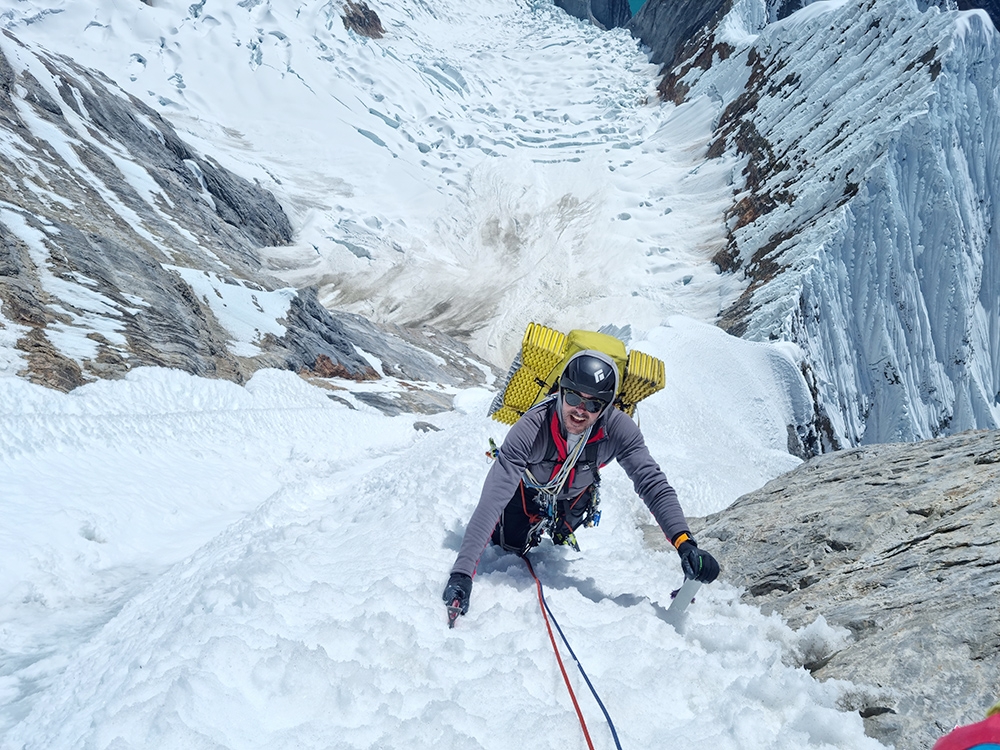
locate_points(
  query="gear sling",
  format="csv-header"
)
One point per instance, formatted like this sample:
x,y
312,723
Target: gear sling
x,y
536,509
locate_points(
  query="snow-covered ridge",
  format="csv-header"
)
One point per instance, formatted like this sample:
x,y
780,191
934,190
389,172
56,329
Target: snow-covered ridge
x,y
195,564
867,222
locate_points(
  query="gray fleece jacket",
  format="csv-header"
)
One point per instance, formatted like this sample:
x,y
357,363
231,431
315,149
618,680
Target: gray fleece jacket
x,y
527,446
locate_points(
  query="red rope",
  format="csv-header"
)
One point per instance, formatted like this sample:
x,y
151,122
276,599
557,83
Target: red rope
x,y
555,648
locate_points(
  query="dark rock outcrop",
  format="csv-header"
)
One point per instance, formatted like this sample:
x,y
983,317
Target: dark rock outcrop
x,y
900,544
607,14
673,29
667,26
361,19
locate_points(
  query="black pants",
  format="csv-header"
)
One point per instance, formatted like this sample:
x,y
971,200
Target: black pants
x,y
524,519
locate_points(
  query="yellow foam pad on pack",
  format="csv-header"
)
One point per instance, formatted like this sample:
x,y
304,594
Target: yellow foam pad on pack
x,y
544,353
542,349
507,415
522,390
644,376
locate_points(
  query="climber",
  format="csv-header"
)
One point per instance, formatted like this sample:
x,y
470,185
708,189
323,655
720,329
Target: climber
x,y
545,477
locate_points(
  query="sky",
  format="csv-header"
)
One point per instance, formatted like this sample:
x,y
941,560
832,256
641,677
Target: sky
x,y
188,563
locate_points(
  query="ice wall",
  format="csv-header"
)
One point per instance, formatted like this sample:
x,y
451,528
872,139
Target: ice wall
x,y
865,218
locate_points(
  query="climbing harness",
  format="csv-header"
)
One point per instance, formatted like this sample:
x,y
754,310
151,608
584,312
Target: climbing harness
x,y
542,507
554,486
547,615
547,498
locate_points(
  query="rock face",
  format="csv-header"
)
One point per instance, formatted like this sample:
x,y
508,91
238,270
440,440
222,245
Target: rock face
x,y
362,20
607,14
121,247
666,26
990,6
672,29
899,543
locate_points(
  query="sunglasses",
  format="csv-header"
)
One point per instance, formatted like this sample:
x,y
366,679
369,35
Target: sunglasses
x,y
593,405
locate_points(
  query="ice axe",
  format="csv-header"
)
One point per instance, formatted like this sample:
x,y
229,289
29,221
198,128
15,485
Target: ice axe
x,y
454,610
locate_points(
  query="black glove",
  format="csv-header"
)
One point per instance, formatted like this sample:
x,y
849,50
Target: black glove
x,y
697,564
459,587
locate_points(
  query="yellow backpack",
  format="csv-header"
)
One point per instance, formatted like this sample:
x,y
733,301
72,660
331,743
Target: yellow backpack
x,y
545,352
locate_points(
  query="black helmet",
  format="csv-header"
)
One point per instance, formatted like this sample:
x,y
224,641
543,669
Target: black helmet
x,y
593,373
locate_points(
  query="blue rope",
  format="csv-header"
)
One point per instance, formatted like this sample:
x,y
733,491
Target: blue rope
x,y
579,666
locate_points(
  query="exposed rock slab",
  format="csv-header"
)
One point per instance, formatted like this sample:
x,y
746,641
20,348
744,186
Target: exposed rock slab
x,y
899,543
666,26
673,29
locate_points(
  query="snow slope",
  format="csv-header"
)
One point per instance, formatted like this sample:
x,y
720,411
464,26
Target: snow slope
x,y
191,564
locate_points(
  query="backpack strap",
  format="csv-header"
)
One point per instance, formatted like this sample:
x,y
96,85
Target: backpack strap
x,y
590,455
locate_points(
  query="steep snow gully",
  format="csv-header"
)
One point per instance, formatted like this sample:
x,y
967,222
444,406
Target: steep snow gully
x,y
193,564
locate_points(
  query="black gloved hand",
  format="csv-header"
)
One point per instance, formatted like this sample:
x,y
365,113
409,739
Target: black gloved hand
x,y
459,587
697,564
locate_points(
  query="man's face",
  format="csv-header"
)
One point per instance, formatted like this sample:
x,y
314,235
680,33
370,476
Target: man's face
x,y
577,418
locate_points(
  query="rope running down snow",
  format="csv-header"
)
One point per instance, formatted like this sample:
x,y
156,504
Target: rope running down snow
x,y
545,609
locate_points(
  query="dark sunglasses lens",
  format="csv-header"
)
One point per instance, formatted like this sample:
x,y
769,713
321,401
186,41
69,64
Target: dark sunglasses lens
x,y
593,405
